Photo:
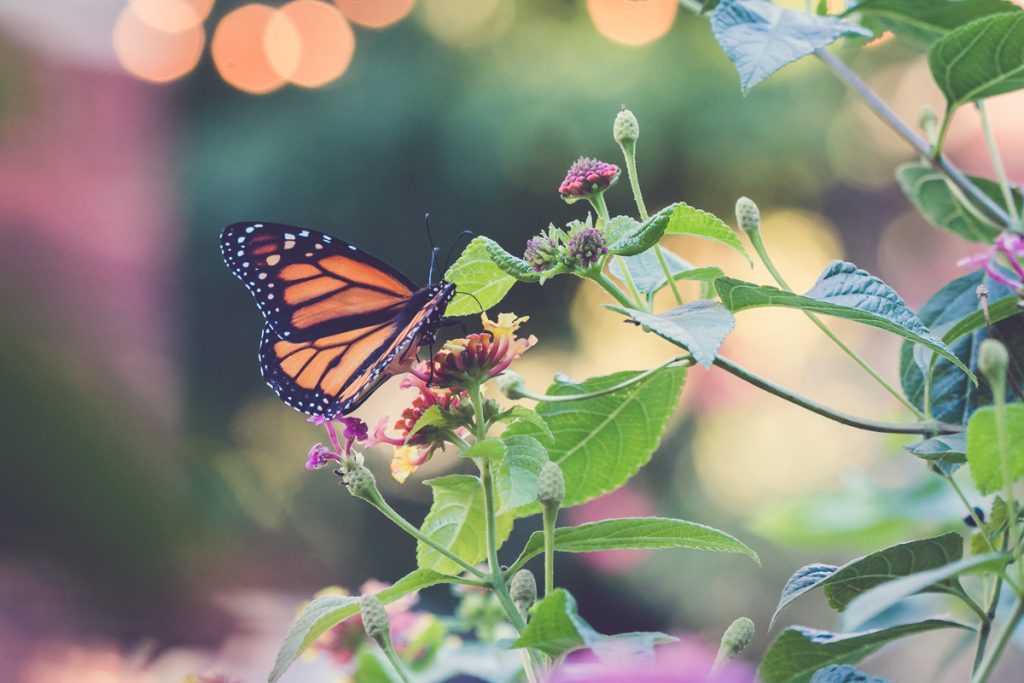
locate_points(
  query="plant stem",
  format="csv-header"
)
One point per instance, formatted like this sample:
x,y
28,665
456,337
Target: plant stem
x,y
378,502
1003,439
495,579
927,428
629,152
550,515
988,664
997,164
613,289
396,662
986,627
762,252
978,523
683,361
933,155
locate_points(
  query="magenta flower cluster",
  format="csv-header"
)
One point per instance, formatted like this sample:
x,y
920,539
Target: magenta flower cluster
x,y
587,246
588,176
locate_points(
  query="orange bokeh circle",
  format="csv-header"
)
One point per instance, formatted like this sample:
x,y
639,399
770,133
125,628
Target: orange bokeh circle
x,y
309,43
154,55
375,13
172,15
241,52
631,22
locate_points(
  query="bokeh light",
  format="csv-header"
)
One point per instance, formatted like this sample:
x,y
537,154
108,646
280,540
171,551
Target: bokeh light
x,y
309,43
467,24
152,54
375,13
172,15
633,23
242,54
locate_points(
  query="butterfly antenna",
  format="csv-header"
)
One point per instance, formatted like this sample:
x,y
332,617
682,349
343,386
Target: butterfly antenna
x,y
473,297
451,250
433,250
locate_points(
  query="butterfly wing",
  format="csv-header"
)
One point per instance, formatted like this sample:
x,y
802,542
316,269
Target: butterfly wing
x,y
334,374
309,285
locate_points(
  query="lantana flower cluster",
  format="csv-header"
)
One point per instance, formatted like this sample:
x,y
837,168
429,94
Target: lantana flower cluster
x,y
441,412
580,246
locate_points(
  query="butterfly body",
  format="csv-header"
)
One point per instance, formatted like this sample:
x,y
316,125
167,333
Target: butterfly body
x,y
338,322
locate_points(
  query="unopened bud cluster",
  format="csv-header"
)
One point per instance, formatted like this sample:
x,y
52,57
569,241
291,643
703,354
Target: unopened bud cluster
x,y
523,590
551,485
748,216
375,617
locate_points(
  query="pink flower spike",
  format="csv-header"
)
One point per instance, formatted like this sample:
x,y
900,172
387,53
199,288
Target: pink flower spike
x,y
319,455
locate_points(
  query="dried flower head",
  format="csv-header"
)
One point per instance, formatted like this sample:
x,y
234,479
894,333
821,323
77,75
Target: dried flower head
x,y
588,176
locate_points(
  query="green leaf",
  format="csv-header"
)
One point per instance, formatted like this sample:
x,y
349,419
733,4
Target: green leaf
x,y
947,452
700,327
601,442
930,192
511,265
646,272
555,628
953,397
871,603
922,22
456,523
616,227
640,237
476,274
844,673
805,579
760,38
371,667
998,311
636,533
488,449
515,477
431,417
529,416
687,220
799,652
843,584
324,612
845,291
983,447
981,59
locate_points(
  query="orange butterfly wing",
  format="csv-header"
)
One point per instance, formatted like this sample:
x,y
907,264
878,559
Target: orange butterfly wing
x,y
337,319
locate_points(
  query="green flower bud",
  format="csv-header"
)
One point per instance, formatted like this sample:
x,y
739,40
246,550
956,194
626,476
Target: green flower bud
x,y
748,216
375,618
992,361
511,384
358,479
551,486
736,637
626,129
523,590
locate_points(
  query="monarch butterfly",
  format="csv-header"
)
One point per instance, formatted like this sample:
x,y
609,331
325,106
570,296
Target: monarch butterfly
x,y
337,321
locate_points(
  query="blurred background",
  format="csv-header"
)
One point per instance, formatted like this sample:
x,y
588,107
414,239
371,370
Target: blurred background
x,y
156,519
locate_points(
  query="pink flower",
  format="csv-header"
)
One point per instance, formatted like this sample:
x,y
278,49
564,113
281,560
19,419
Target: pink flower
x,y
588,176
688,661
1009,245
319,455
480,356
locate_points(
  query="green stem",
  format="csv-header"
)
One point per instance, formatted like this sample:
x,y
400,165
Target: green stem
x,y
597,200
1003,439
997,163
978,523
550,516
986,626
988,664
762,252
682,361
629,152
613,289
927,428
933,155
378,502
396,662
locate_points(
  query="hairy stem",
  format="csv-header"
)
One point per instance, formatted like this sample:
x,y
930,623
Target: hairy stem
x,y
934,156
678,361
988,663
613,289
927,428
396,662
997,164
762,252
550,515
